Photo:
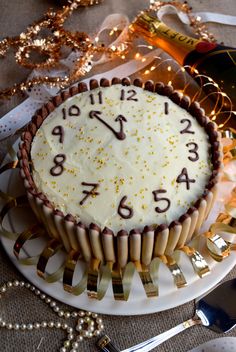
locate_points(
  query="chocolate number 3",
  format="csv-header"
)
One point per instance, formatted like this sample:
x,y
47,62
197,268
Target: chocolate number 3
x,y
58,168
193,148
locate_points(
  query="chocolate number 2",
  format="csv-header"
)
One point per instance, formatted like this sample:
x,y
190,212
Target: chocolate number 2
x,y
58,169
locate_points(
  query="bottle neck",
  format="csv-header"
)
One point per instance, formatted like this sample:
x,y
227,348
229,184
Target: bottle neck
x,y
176,44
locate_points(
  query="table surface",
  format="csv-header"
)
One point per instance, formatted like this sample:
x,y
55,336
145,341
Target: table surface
x,y
22,306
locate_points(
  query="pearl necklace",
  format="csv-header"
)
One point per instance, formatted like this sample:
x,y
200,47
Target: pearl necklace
x,y
88,325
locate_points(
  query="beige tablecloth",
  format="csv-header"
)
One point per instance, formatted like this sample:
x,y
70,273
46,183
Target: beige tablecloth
x,y
22,306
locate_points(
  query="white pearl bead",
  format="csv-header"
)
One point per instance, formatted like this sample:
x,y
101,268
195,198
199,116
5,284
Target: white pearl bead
x,y
2,324
53,304
89,313
99,320
67,315
60,313
78,328
23,326
51,324
81,313
84,333
87,320
70,337
74,314
9,326
16,326
32,288
79,338
9,284
56,309
48,300
30,326
64,326
81,321
73,350
63,349
27,285
44,324
96,333
22,283
100,326
3,289
37,292
69,330
42,296
90,334
36,325
94,315
58,325
66,343
90,328
75,345
16,283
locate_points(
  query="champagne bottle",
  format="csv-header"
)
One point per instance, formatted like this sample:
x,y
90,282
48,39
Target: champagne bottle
x,y
210,59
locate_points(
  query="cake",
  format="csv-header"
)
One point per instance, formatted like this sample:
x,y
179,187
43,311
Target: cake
x,y
121,171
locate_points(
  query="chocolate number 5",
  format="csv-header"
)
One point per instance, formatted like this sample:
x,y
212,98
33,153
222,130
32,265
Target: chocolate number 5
x,y
158,199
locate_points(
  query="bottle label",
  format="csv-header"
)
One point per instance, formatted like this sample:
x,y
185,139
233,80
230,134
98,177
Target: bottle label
x,y
177,37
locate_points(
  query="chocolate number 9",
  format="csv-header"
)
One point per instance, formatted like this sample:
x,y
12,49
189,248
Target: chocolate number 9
x,y
58,169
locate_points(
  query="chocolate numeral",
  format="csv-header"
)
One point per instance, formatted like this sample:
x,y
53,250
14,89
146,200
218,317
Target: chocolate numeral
x,y
187,128
132,94
92,99
193,150
73,110
58,169
128,211
158,199
183,177
59,131
166,108
91,193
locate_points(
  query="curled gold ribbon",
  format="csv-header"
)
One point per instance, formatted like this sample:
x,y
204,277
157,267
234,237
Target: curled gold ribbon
x,y
49,251
150,288
68,274
199,264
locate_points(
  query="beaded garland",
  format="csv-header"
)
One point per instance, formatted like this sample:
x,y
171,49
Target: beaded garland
x,y
88,325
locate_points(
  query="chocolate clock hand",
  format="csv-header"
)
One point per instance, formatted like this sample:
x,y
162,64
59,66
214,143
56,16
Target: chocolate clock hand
x,y
119,135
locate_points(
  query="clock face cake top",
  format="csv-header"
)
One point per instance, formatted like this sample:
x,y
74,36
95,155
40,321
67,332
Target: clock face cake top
x,y
120,156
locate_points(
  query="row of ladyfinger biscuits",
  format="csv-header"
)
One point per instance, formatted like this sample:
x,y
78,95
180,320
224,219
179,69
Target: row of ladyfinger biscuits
x,y
142,246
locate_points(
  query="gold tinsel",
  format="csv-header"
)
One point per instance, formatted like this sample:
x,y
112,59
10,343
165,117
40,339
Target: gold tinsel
x,y
50,46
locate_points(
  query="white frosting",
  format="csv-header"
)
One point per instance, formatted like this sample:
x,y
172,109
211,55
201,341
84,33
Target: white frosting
x,y
151,157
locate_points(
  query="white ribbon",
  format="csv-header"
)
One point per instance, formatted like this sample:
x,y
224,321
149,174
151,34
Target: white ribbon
x,y
204,16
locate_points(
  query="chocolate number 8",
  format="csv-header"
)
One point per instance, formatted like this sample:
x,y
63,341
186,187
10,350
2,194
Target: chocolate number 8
x,y
58,169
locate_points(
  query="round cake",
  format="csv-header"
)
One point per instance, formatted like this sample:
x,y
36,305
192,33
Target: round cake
x,y
121,171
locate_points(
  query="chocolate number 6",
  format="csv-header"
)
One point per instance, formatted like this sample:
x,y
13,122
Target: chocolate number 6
x,y
58,169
